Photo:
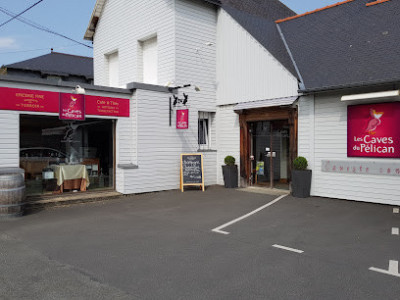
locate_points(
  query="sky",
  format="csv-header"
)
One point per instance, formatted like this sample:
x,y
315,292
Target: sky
x,y
19,41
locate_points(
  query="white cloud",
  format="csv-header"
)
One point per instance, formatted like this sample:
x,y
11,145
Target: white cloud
x,y
8,43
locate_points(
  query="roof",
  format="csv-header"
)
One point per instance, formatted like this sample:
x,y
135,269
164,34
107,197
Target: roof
x,y
266,103
258,18
57,64
350,44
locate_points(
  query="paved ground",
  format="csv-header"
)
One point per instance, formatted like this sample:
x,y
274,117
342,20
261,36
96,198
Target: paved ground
x,y
160,246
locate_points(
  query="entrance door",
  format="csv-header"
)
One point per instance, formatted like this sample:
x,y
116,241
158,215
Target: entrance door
x,y
269,151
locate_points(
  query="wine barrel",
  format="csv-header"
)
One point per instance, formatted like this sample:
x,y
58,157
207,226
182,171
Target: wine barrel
x,y
12,192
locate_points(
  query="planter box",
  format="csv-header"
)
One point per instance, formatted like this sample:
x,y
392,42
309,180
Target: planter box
x,y
301,183
230,176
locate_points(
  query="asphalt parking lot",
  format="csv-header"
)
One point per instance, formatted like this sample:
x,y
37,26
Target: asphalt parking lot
x,y
162,246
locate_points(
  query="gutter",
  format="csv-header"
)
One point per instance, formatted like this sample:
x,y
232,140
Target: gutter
x,y
301,81
348,86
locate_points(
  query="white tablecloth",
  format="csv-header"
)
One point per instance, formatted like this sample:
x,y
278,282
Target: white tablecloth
x,y
69,172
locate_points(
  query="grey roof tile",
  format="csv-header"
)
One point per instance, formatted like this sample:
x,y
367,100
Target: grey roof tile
x,y
58,63
350,44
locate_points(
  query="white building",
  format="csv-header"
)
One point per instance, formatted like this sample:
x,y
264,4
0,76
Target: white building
x,y
349,112
260,84
203,43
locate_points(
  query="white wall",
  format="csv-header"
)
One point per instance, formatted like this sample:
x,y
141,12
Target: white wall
x,y
122,25
196,23
228,137
9,139
306,128
246,71
326,136
159,146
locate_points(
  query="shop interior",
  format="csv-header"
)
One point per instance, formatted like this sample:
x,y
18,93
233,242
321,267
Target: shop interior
x,y
66,156
270,138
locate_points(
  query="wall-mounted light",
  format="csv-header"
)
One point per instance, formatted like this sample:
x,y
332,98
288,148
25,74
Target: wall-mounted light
x,y
175,88
368,96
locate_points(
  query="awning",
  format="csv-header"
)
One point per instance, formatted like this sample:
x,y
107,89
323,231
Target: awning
x,y
266,103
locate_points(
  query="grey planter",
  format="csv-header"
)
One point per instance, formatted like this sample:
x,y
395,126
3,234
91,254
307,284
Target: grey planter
x,y
230,176
301,183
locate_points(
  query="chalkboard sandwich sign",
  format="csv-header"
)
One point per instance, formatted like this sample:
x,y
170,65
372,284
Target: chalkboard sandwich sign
x,y
192,172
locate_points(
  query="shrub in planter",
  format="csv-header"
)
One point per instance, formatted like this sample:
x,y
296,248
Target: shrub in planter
x,y
301,178
230,172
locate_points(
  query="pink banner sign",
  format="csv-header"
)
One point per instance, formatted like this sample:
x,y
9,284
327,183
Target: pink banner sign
x,y
105,106
28,100
54,102
182,119
373,130
72,107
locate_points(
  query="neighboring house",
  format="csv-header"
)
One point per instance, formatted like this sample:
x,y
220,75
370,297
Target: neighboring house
x,y
232,50
54,66
341,52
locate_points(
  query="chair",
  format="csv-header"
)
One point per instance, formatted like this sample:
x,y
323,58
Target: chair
x,y
95,170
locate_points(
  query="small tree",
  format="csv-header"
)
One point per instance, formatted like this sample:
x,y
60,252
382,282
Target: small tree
x,y
300,163
230,160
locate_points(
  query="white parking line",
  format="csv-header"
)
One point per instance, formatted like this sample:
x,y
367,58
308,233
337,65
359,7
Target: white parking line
x,y
396,210
288,249
393,269
395,231
218,229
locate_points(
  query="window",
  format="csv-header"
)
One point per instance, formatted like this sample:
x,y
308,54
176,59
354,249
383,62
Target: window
x,y
205,123
150,61
48,144
113,69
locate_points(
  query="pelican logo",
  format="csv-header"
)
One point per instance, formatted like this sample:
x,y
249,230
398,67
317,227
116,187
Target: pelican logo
x,y
72,107
374,123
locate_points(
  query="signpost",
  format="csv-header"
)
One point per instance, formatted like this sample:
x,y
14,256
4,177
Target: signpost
x,y
192,172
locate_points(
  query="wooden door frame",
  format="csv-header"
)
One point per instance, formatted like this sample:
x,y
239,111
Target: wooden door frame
x,y
266,114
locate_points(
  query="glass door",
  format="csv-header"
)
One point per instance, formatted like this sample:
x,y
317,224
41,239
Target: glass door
x,y
270,154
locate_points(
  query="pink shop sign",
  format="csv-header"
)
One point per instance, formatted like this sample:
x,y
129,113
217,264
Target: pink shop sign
x,y
72,107
373,130
361,167
182,119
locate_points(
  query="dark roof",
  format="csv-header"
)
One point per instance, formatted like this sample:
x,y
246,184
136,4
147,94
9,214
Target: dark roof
x,y
346,45
57,64
216,2
258,18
